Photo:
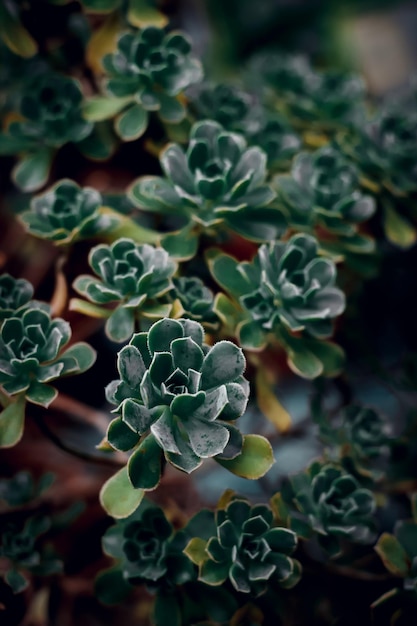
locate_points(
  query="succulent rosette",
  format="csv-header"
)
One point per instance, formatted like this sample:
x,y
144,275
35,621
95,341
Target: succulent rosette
x,y
226,104
322,192
51,111
21,555
336,99
217,183
176,398
330,502
196,299
67,212
366,431
384,149
131,275
15,295
247,549
147,72
284,73
32,356
150,552
286,288
276,137
325,100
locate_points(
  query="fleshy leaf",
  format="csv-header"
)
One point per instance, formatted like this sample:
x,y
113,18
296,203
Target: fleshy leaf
x,y
254,461
118,497
145,465
12,420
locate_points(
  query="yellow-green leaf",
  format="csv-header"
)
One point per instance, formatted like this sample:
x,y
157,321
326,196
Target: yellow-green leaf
x,y
118,497
12,420
392,554
397,229
269,403
254,461
196,550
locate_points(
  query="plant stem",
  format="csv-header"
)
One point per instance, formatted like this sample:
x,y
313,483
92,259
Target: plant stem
x,y
113,461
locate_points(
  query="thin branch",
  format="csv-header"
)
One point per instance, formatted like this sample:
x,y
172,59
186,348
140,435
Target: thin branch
x,y
81,412
115,460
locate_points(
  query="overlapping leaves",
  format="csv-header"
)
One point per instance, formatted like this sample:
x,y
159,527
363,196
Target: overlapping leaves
x,y
216,183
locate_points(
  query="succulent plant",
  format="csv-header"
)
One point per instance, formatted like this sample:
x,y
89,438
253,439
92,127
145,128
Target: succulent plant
x,y
196,299
131,275
67,212
247,549
15,294
217,183
284,73
276,137
384,149
19,551
51,111
147,72
286,286
21,488
366,431
332,504
323,192
177,397
224,103
30,349
152,554
148,551
328,99
31,357
336,98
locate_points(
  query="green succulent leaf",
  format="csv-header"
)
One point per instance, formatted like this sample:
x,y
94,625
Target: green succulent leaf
x,y
166,610
99,108
110,586
398,229
392,554
118,497
16,580
132,123
255,460
12,419
32,171
145,464
181,245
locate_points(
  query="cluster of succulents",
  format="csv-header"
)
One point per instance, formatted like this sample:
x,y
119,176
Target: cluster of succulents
x,y
22,552
247,549
257,194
